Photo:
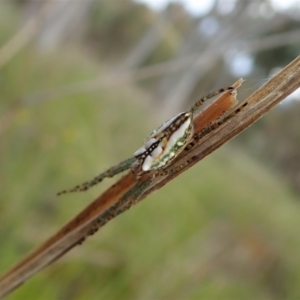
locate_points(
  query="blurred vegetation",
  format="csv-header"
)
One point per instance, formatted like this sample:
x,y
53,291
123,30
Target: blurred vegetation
x,y
115,26
227,229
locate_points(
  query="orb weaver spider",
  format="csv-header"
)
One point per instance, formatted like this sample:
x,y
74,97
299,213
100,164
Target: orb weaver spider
x,y
159,150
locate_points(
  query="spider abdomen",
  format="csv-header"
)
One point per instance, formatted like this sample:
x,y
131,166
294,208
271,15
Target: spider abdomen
x,y
165,143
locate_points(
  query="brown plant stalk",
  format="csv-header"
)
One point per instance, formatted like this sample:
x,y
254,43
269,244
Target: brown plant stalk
x,y
213,132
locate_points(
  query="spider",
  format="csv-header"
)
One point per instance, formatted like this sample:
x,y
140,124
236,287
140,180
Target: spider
x,y
159,150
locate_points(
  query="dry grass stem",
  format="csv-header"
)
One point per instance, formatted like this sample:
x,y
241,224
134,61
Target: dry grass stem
x,y
124,193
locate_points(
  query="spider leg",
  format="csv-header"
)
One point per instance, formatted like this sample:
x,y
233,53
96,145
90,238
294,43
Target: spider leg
x,y
188,147
172,170
111,172
196,137
131,197
208,96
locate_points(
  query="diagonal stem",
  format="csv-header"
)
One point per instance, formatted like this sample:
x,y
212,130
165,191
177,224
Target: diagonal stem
x,y
249,111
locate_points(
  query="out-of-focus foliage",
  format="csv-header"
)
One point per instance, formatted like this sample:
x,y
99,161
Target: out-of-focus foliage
x,y
227,229
279,56
114,27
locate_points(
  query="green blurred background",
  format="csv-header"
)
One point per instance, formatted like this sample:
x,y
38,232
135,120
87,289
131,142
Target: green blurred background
x,y
83,83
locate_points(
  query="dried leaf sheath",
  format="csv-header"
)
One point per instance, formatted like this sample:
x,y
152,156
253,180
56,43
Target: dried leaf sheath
x,y
88,220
